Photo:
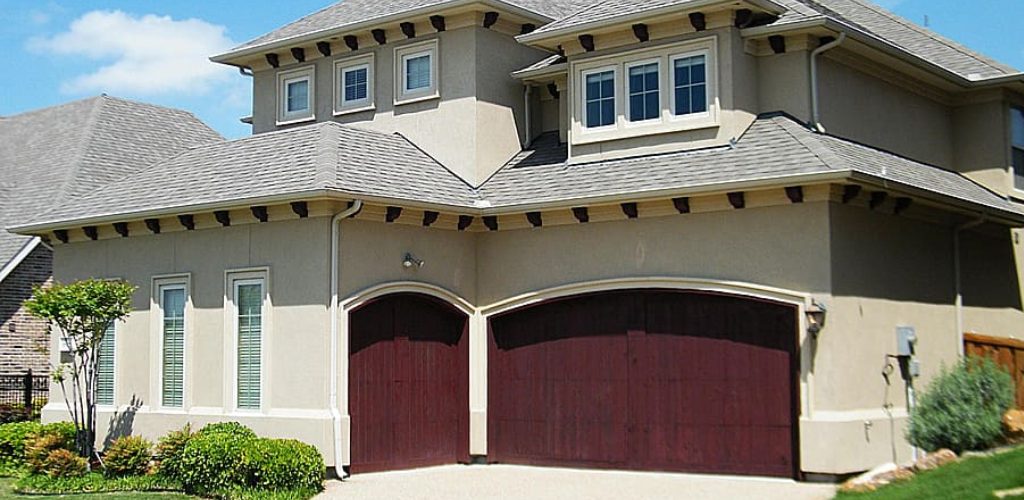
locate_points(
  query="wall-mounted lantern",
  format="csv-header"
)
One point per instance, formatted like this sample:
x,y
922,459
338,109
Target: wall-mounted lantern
x,y
816,314
411,262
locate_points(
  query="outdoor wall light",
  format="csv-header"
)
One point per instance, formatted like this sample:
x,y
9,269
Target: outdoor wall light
x,y
816,313
410,262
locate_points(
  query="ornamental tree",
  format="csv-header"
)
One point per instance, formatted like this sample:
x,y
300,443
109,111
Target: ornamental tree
x,y
82,312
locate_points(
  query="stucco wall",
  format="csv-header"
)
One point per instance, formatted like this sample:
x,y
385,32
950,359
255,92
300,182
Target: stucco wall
x,y
981,147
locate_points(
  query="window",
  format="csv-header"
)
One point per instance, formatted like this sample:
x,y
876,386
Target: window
x,y
296,91
690,85
416,73
172,376
599,98
644,93
354,84
248,295
105,368
1017,132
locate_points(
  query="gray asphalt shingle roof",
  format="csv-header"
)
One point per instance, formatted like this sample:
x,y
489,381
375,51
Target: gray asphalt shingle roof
x,y
329,157
53,155
352,12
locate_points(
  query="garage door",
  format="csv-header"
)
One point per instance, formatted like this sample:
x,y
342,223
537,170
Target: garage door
x,y
651,380
408,384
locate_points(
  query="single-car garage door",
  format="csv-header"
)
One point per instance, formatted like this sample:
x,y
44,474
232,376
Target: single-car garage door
x,y
408,384
652,380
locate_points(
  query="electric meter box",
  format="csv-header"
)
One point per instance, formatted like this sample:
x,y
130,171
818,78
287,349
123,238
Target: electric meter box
x,y
906,340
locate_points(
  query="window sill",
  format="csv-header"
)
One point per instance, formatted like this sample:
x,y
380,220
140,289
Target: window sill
x,y
630,130
282,123
354,110
413,100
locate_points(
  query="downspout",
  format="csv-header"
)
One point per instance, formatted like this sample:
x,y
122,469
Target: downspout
x,y
333,375
815,109
528,90
959,300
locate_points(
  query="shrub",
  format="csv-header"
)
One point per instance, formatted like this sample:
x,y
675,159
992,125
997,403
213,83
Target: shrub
x,y
64,430
170,449
284,464
212,459
92,483
962,408
128,456
38,450
64,463
12,442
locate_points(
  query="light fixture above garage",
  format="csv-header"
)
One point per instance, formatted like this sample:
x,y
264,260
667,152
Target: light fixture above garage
x,y
410,262
816,313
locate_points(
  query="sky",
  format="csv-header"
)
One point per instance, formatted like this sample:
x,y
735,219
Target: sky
x,y
156,51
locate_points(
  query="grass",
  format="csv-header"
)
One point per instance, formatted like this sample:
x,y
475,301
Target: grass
x,y
969,479
7,493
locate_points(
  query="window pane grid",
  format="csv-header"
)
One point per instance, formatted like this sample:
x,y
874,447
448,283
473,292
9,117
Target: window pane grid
x,y
644,93
105,368
356,84
600,99
690,85
250,330
173,347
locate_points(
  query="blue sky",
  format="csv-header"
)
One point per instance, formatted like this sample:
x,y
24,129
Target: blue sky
x,y
155,51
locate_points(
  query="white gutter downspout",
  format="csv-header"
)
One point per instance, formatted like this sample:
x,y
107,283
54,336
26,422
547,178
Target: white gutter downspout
x,y
815,109
333,375
959,301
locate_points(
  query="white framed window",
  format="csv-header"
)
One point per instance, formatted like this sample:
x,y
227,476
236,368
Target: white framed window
x,y
664,88
249,299
354,82
1017,146
689,84
172,298
106,367
296,92
416,73
599,105
643,85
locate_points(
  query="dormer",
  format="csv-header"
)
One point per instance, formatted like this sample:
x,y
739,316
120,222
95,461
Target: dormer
x,y
438,74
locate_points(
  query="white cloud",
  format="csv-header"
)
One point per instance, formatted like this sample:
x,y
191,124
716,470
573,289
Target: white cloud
x,y
145,55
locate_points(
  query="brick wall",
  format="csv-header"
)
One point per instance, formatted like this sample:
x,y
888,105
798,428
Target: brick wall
x,y
23,339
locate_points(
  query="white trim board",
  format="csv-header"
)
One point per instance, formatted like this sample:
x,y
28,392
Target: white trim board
x,y
18,258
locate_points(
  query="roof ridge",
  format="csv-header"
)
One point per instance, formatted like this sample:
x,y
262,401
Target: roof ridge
x,y
328,158
808,140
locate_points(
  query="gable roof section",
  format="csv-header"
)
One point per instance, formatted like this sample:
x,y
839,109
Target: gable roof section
x,y
55,154
304,161
350,13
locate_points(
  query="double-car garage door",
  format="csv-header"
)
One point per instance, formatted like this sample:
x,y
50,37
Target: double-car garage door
x,y
650,380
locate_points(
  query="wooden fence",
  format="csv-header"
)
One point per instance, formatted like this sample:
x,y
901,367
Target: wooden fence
x,y
1008,353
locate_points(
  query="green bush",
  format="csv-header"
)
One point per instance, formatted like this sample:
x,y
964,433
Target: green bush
x,y
284,464
963,407
128,456
64,463
169,451
92,483
212,460
38,450
12,442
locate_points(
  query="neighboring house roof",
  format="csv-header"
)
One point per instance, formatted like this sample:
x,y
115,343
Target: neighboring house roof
x,y
56,154
354,12
327,158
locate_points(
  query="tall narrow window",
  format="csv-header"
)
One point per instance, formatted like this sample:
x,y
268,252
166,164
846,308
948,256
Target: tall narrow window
x,y
644,92
599,91
249,309
105,368
690,85
1017,126
172,305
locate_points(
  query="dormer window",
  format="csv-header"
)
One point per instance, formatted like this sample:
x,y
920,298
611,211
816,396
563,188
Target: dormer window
x,y
296,91
416,72
354,85
690,84
644,91
1017,133
600,98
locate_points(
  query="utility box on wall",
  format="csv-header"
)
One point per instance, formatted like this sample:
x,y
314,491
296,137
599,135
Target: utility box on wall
x,y
906,340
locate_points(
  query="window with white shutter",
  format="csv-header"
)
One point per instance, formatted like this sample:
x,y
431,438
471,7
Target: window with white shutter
x,y
105,364
172,306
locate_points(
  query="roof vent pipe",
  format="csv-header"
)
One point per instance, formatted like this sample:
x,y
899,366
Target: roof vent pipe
x,y
815,109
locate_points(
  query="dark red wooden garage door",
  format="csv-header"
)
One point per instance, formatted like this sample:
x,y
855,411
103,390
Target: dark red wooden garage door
x,y
408,384
651,380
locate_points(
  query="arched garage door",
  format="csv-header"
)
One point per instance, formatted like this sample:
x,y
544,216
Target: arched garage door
x,y
651,380
408,384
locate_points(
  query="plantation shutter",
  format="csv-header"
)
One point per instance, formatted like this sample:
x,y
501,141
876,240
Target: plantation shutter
x,y
250,338
105,368
173,347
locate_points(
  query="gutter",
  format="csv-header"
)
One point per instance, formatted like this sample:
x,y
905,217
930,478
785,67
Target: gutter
x,y
958,281
336,417
815,107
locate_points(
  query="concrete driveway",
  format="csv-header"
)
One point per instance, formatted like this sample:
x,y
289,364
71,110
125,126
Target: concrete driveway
x,y
514,482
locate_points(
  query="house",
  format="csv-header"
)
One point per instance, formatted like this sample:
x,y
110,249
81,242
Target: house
x,y
52,155
679,235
